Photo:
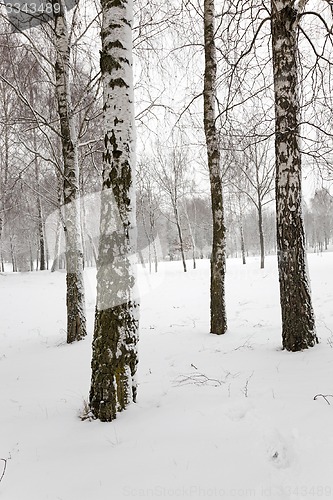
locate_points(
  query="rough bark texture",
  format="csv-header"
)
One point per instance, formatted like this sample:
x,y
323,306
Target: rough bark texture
x,y
76,320
298,324
114,359
218,323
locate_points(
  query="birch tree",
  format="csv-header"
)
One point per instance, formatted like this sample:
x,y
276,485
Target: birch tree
x,y
4,164
322,215
54,59
252,175
114,358
171,176
218,319
298,323
76,320
148,210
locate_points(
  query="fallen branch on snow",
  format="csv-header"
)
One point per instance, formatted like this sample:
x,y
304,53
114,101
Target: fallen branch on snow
x,y
198,379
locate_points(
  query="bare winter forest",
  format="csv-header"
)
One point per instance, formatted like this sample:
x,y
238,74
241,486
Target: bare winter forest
x,y
166,166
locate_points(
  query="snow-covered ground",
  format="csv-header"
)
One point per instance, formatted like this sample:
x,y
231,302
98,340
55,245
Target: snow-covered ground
x,y
224,417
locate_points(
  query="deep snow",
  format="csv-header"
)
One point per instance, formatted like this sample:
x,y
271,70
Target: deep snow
x,y
225,417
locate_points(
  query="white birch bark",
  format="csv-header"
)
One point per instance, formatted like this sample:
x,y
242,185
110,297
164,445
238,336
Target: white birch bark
x,y
298,323
218,321
76,321
114,361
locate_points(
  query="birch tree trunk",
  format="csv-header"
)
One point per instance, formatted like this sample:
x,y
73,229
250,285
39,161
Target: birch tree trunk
x,y
261,235
180,233
242,242
114,358
218,321
76,320
60,224
40,224
4,174
298,323
191,235
259,206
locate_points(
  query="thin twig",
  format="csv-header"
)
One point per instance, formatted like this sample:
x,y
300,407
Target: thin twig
x,y
4,468
325,396
246,387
